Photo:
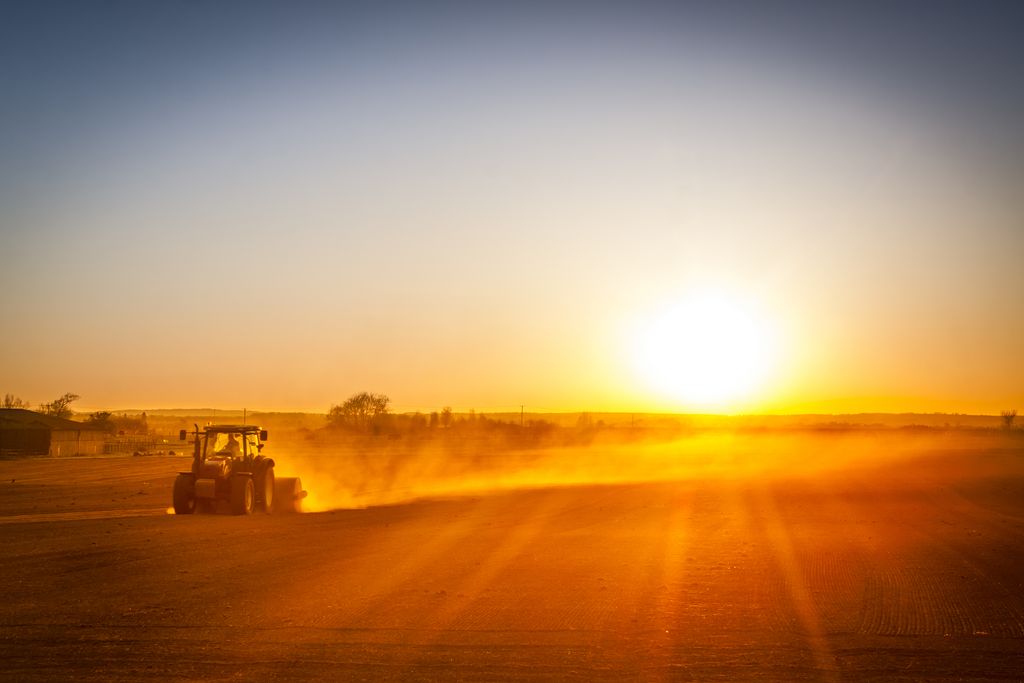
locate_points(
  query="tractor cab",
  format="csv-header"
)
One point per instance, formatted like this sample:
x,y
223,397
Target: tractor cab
x,y
235,442
222,450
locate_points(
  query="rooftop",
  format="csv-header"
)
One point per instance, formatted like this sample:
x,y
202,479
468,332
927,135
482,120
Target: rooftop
x,y
232,428
19,418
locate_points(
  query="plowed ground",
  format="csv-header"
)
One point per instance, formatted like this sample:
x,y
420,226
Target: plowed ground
x,y
911,571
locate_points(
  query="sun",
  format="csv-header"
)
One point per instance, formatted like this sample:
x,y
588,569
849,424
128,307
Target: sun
x,y
707,351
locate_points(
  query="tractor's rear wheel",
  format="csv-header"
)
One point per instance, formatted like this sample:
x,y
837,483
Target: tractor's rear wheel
x,y
288,495
265,488
243,495
184,494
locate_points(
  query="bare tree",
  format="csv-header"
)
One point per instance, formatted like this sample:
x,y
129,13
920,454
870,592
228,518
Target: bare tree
x,y
1008,417
359,410
446,417
12,401
59,407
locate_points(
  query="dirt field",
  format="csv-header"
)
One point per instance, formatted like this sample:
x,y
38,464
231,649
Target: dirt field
x,y
908,570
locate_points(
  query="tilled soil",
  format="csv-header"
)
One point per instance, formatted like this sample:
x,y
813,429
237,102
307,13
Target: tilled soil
x,y
913,571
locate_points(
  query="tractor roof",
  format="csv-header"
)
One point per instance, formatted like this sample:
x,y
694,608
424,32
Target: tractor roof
x,y
232,428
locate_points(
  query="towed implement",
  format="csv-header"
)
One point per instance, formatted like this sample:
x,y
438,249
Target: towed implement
x,y
229,473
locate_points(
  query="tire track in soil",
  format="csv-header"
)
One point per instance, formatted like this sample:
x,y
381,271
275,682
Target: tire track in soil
x,y
779,532
935,588
88,471
977,565
913,581
909,601
837,582
80,516
758,605
841,558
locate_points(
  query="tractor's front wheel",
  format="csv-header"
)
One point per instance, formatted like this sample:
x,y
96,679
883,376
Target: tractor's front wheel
x,y
184,494
243,495
265,487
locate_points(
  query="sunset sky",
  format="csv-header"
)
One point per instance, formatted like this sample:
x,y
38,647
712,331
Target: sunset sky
x,y
275,205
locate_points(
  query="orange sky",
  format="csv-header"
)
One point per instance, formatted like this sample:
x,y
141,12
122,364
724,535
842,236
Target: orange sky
x,y
483,213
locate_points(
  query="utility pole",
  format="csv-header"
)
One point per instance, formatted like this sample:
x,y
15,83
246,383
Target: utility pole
x,y
521,409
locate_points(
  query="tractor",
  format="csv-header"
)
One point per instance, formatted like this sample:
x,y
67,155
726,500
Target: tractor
x,y
229,473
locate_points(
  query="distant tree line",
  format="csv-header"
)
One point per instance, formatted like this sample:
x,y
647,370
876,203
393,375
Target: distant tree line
x,y
368,414
118,424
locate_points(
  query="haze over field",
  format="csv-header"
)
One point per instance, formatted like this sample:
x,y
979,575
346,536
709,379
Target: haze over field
x,y
692,207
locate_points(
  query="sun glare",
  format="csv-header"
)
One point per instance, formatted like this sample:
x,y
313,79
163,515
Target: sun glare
x,y
706,351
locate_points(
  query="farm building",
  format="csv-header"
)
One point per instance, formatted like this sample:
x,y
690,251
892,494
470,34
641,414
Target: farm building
x,y
25,432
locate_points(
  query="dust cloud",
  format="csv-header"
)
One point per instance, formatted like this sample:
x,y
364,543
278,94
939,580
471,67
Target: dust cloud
x,y
346,476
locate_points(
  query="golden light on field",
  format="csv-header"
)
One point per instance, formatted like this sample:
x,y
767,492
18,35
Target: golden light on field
x,y
708,350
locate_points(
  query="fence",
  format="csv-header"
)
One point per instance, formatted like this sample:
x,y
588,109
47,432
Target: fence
x,y
142,443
